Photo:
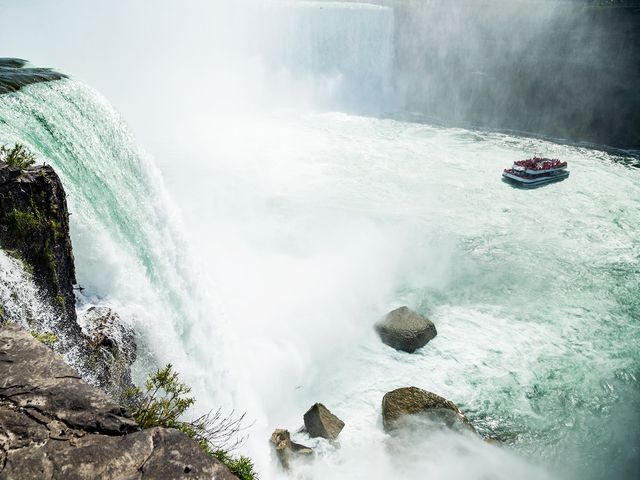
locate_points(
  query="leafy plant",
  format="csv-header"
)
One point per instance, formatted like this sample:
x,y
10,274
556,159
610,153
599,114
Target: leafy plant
x,y
164,401
23,222
242,467
47,338
18,156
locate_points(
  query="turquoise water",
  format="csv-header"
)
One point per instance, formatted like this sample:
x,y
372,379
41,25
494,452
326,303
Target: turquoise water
x,y
261,269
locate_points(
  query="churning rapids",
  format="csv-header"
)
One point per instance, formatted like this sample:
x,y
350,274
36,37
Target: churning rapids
x,y
259,270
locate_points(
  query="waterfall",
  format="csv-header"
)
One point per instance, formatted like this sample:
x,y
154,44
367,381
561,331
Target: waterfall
x,y
335,54
128,243
294,230
21,300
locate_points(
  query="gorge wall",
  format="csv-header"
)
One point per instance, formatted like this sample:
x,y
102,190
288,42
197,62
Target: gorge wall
x,y
566,69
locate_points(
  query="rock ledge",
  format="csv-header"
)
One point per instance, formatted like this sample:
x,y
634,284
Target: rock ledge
x,y
54,425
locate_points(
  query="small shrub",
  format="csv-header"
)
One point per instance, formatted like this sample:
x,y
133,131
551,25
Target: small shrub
x,y
23,222
61,301
163,402
47,338
18,156
242,467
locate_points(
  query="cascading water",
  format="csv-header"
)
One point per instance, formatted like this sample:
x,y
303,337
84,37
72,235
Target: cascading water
x,y
303,228
128,245
21,300
332,53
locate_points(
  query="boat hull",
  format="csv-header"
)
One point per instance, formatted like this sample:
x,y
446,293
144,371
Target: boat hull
x,y
519,181
543,172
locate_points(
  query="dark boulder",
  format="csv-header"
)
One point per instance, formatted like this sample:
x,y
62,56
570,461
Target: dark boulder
x,y
54,425
286,450
320,422
405,330
401,404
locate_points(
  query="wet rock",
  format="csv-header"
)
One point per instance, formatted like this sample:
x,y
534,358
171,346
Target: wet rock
x,y
34,222
54,425
14,75
286,450
404,402
320,422
111,349
405,330
12,62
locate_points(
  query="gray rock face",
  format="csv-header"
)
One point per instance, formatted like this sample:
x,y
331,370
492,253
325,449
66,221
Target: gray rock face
x,y
54,425
320,422
407,401
405,330
286,450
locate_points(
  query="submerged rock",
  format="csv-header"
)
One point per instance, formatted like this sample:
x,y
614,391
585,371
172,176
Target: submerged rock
x,y
14,75
286,450
112,349
320,422
54,425
405,330
401,403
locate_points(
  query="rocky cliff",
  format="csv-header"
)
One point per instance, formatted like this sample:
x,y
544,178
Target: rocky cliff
x,y
34,227
54,425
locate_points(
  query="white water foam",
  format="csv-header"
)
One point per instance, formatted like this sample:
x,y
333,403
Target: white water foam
x,y
307,227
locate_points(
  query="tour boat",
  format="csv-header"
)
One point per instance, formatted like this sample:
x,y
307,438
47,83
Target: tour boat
x,y
536,171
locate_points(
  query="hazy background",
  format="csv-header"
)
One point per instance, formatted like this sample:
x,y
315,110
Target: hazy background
x,y
568,69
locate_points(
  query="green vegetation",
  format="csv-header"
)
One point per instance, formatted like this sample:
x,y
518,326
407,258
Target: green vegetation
x,y
47,338
242,467
60,301
18,156
164,401
23,222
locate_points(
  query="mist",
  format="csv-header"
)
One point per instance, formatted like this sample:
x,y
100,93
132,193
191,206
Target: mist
x,y
561,68
309,206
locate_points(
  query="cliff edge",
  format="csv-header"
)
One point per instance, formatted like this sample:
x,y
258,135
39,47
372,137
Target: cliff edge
x,y
54,425
34,228
34,222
